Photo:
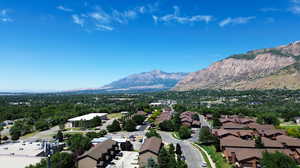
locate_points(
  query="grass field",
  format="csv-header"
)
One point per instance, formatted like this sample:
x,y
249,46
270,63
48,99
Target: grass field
x,y
114,116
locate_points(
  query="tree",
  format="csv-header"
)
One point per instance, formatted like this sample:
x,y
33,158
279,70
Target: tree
x,y
78,144
152,133
96,121
60,136
171,149
163,158
294,132
258,142
268,118
126,146
62,160
184,132
15,133
178,150
151,164
41,125
138,119
205,135
130,125
114,127
166,125
277,160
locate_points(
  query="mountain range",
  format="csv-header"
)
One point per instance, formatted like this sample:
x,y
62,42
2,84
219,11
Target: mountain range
x,y
270,68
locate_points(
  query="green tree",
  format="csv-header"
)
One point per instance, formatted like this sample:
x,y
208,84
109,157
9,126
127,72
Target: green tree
x,y
178,150
95,122
41,125
60,136
163,158
79,144
205,135
167,125
114,127
258,142
152,133
268,118
62,160
184,132
138,119
277,160
130,125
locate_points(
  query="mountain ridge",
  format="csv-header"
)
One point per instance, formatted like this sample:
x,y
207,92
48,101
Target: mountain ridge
x,y
236,71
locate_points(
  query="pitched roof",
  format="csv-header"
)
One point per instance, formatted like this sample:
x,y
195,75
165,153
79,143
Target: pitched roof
x,y
152,144
244,154
222,132
233,126
270,132
268,143
100,149
232,141
289,141
261,126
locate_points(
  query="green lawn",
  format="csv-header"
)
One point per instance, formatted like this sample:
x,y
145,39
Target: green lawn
x,y
114,116
217,157
204,155
285,126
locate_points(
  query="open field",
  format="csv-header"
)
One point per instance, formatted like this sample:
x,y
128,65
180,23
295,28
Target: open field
x,y
114,116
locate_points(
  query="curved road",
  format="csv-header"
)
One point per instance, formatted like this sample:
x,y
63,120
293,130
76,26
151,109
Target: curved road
x,y
192,155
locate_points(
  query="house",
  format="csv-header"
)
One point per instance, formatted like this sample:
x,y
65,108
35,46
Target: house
x,y
236,126
289,142
270,133
250,158
99,156
297,120
257,126
235,142
149,150
188,119
243,134
165,115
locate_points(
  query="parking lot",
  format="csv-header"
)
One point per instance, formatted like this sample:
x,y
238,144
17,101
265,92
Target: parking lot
x,y
128,160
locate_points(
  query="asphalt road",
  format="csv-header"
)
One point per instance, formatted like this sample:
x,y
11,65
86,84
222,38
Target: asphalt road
x,y
204,122
192,155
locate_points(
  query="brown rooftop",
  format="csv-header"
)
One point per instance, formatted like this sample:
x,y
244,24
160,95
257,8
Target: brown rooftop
x,y
100,149
232,141
152,144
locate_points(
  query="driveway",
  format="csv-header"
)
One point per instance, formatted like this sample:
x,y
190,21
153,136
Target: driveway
x,y
192,155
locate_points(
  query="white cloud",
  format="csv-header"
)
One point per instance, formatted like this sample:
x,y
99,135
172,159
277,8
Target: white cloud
x,y
4,16
104,27
238,20
295,9
175,17
270,10
295,1
64,8
78,20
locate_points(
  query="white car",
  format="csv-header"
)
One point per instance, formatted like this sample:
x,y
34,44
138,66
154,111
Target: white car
x,y
203,164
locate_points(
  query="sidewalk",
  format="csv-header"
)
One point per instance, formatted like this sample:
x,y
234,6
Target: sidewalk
x,y
207,155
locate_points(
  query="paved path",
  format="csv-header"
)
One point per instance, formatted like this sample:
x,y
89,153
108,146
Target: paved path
x,y
192,155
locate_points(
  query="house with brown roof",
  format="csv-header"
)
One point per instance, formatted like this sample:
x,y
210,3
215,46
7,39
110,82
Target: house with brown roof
x,y
235,142
149,150
188,120
234,126
257,126
289,142
243,134
99,156
165,115
249,158
270,133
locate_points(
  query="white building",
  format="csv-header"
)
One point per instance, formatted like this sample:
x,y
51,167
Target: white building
x,y
22,154
74,121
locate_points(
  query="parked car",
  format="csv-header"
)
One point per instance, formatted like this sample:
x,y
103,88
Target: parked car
x,y
203,164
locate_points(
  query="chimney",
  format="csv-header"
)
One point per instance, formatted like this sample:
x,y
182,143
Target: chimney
x,y
239,134
233,157
254,165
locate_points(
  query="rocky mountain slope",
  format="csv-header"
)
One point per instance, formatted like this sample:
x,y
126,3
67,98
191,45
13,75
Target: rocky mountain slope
x,y
259,69
154,80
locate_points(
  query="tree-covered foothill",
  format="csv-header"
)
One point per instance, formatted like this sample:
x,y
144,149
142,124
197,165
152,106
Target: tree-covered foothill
x,y
277,160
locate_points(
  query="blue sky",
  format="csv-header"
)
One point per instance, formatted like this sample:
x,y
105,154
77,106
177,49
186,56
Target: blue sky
x,y
68,44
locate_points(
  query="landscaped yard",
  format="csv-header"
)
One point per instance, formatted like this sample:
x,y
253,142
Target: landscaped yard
x,y
114,116
216,157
